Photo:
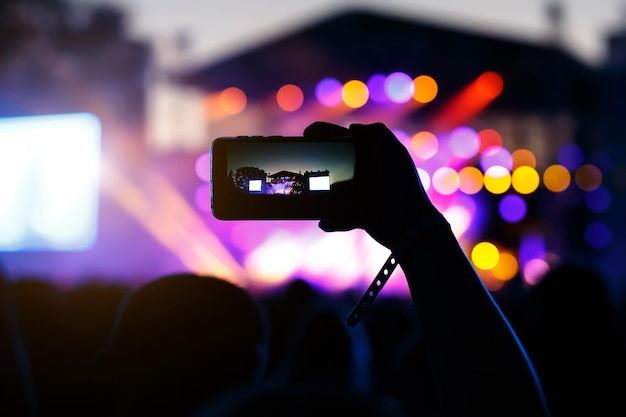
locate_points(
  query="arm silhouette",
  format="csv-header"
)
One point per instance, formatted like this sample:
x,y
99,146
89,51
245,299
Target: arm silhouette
x,y
478,365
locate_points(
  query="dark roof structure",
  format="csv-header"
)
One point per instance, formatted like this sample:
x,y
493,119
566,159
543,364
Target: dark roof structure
x,y
356,43
283,173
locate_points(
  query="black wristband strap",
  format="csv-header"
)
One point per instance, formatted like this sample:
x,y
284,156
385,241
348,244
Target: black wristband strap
x,y
398,254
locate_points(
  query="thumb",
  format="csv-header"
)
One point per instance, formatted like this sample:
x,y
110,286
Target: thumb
x,y
335,225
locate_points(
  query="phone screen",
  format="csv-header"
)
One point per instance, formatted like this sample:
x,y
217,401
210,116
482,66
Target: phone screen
x,y
277,177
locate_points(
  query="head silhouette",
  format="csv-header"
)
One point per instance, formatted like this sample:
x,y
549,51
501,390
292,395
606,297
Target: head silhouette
x,y
181,340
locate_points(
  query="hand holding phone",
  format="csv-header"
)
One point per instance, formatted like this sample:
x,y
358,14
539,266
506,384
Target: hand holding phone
x,y
386,193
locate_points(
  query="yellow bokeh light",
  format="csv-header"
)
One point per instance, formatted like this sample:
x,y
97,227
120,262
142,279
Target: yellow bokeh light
x,y
425,89
355,94
523,157
485,255
525,180
588,177
506,268
497,179
556,178
471,180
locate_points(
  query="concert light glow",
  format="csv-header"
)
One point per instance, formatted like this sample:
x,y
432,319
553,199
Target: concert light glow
x,y
289,97
512,208
399,87
588,177
49,182
556,178
463,169
485,255
232,100
426,89
424,144
376,88
355,94
328,92
525,179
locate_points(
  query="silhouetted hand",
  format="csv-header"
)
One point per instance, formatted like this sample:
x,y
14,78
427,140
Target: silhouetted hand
x,y
385,198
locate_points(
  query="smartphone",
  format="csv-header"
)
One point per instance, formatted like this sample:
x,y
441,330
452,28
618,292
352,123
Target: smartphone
x,y
277,177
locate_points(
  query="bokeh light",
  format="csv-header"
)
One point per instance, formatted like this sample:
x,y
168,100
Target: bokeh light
x,y
399,87
328,92
203,167
232,100
424,144
588,177
512,208
532,245
485,255
355,94
470,180
498,170
525,179
425,89
289,97
464,142
556,178
489,138
507,266
445,180
496,155
376,88
523,157
535,270
460,214
571,156
497,179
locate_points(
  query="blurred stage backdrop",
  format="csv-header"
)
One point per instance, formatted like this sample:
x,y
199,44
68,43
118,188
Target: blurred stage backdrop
x,y
104,163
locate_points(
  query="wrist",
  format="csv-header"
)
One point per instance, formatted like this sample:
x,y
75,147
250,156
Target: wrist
x,y
414,234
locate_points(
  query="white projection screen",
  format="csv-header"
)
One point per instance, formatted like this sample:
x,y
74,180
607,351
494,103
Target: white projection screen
x,y
49,182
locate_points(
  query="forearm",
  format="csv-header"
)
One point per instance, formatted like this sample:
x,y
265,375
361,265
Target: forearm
x,y
477,362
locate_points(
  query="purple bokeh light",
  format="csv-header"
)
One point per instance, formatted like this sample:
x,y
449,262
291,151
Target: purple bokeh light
x,y
203,167
570,156
464,142
376,86
597,235
532,246
512,208
496,156
328,92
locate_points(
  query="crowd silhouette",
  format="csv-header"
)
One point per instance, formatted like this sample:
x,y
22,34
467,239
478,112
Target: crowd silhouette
x,y
193,345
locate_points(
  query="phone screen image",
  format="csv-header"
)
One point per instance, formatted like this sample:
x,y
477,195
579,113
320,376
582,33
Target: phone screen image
x,y
277,177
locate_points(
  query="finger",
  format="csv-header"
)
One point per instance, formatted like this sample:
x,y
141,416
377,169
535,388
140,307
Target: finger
x,y
325,129
335,225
